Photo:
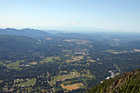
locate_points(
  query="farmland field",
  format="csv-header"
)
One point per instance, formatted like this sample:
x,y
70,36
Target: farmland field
x,y
30,82
64,77
72,87
50,59
14,65
1,81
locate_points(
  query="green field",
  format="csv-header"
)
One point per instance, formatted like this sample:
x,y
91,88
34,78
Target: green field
x,y
14,65
63,77
88,76
30,82
18,80
1,63
50,59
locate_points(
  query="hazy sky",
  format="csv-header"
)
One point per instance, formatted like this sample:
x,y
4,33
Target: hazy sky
x,y
119,15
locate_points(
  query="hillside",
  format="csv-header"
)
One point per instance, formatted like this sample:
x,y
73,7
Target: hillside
x,y
129,82
24,32
20,47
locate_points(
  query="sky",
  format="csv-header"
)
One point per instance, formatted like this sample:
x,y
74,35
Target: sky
x,y
111,15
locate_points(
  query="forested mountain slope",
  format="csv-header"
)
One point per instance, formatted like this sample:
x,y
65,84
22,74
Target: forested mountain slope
x,y
129,82
20,47
24,32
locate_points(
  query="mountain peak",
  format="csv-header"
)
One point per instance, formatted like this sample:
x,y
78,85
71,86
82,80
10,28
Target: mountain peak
x,y
10,29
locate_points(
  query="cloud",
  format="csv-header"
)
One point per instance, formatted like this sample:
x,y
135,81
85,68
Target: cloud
x,y
74,23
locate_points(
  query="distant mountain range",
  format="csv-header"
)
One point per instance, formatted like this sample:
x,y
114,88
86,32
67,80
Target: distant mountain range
x,y
24,32
129,82
38,33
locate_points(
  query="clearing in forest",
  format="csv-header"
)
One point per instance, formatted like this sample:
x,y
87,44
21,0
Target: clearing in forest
x,y
50,59
14,65
76,58
1,81
72,87
30,82
64,77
